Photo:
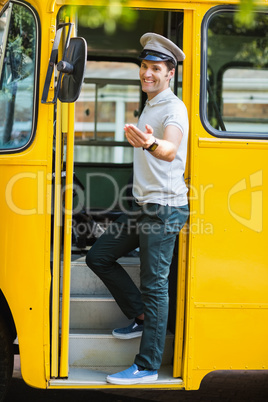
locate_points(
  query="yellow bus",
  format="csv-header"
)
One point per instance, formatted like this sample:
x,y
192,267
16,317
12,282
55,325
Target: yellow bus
x,y
68,83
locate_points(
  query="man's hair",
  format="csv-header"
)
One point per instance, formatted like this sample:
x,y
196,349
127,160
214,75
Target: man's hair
x,y
170,65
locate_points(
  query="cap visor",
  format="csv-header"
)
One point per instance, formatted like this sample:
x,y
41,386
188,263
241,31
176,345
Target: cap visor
x,y
152,58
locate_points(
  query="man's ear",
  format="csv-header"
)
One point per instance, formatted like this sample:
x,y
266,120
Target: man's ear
x,y
171,73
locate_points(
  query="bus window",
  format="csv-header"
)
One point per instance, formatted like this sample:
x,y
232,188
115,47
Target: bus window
x,y
235,71
17,82
109,99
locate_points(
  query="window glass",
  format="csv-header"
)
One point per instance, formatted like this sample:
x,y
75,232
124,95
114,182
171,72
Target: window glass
x,y
3,22
245,99
109,99
17,80
236,62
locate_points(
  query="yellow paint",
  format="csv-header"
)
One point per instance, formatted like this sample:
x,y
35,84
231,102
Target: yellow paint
x,y
67,246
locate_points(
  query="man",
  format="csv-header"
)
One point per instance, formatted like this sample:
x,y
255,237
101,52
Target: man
x,y
158,213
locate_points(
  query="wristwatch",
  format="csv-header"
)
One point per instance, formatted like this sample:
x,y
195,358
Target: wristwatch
x,y
153,147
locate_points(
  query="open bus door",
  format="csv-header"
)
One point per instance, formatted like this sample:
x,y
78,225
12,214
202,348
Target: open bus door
x,y
111,97
71,67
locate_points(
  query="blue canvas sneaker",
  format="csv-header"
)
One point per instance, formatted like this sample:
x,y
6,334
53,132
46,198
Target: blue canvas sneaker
x,y
133,375
134,330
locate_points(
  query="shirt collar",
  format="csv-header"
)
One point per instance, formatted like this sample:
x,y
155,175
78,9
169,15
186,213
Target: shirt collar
x,y
159,97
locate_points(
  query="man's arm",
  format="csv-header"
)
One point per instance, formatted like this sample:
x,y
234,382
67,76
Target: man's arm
x,y
167,147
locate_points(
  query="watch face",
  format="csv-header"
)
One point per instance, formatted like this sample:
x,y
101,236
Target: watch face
x,y
153,146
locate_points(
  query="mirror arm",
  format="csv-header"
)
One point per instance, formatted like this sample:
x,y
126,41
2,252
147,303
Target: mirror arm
x,y
52,62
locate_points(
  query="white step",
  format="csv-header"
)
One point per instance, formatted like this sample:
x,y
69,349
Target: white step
x,y
96,350
85,282
85,377
96,312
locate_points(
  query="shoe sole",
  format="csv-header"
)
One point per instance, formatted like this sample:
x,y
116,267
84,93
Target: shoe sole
x,y
142,380
127,336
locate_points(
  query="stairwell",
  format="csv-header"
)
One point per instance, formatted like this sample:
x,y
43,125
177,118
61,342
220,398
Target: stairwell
x,y
93,351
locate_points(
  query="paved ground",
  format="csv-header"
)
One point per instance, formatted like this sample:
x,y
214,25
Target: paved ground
x,y
221,386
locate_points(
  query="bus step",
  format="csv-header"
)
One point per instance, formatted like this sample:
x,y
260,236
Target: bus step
x,y
85,282
91,349
87,377
96,312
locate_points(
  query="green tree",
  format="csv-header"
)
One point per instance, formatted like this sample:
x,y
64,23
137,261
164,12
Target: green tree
x,y
245,14
114,13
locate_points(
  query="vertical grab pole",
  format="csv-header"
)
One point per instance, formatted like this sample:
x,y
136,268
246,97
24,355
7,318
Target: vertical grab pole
x,y
68,124
66,281
188,28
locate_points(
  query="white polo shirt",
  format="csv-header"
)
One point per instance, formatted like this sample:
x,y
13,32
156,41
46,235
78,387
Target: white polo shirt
x,y
155,180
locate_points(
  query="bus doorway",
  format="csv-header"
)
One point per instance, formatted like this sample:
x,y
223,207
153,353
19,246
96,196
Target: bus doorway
x,y
110,98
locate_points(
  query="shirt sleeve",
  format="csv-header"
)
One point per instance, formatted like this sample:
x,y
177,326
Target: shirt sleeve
x,y
178,118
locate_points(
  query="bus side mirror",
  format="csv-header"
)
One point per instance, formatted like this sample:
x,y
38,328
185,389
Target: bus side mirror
x,y
73,67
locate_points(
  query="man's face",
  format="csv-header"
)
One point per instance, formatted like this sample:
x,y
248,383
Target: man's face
x,y
155,77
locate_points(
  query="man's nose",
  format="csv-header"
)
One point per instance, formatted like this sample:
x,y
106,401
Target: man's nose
x,y
148,72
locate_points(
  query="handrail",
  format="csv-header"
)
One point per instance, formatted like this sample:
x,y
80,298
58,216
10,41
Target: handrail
x,y
66,280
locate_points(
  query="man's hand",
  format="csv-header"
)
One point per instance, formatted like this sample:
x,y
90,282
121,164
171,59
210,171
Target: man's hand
x,y
138,138
167,148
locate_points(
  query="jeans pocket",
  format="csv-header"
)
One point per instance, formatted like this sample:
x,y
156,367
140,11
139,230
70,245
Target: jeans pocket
x,y
175,218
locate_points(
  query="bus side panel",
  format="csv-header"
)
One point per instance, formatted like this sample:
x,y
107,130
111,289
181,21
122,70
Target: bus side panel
x,y
228,273
25,214
24,261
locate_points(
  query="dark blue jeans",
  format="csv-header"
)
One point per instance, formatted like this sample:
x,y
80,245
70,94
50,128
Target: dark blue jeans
x,y
152,228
